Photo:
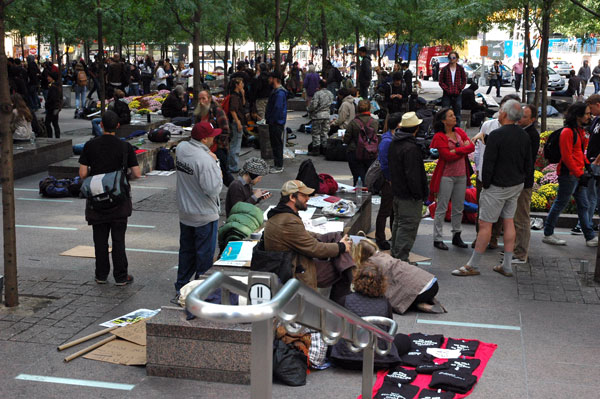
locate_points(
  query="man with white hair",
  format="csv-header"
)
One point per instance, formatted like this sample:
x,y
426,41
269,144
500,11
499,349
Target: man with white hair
x,y
507,161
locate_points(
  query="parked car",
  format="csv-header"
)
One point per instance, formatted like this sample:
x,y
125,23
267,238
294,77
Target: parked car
x,y
561,67
507,77
555,81
469,71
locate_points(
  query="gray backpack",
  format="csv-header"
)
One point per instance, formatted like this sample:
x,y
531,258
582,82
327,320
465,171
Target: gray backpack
x,y
374,179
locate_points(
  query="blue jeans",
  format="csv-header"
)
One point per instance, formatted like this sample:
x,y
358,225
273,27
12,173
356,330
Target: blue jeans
x,y
454,102
80,93
235,146
596,86
196,251
568,185
592,195
96,128
134,89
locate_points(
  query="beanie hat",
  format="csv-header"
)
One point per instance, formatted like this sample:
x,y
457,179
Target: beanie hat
x,y
256,166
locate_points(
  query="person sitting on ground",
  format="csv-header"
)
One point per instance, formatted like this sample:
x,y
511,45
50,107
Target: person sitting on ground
x,y
20,123
119,107
409,287
285,231
240,190
368,299
174,105
347,111
572,88
468,99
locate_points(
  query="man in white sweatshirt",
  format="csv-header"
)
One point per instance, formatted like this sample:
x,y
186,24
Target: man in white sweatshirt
x,y
199,183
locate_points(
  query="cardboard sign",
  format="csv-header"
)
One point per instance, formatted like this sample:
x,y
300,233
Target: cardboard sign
x,y
120,352
135,333
82,251
131,318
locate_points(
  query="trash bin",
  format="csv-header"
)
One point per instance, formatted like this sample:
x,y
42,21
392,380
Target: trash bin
x,y
66,92
266,152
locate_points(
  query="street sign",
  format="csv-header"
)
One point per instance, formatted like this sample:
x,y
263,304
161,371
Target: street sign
x,y
483,51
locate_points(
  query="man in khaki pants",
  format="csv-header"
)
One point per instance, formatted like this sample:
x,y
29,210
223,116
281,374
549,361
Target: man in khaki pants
x,y
522,221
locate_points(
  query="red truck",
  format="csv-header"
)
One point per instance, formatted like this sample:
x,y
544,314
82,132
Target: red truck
x,y
424,70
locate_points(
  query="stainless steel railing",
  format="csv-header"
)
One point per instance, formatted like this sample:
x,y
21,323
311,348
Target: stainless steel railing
x,y
297,306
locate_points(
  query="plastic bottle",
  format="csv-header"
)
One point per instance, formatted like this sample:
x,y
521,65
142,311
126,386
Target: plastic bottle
x,y
32,139
358,189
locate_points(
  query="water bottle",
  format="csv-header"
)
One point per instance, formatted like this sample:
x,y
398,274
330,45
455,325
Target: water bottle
x,y
32,139
358,190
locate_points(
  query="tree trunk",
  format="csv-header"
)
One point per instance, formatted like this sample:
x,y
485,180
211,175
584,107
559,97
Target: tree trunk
x,y
202,76
526,54
396,51
195,56
39,45
23,57
409,49
101,90
277,35
357,38
547,7
135,53
266,49
324,42
233,55
226,58
11,294
378,49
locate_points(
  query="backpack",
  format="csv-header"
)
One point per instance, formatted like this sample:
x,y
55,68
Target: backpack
x,y
552,146
225,104
159,135
374,179
308,174
54,188
164,160
366,149
82,78
327,184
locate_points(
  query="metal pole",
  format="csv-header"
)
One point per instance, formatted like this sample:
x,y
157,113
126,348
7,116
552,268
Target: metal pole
x,y
367,371
261,361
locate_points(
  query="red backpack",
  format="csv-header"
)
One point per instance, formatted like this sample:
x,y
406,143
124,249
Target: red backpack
x,y
366,149
327,184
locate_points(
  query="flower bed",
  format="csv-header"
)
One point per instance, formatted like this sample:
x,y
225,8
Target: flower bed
x,y
545,184
145,104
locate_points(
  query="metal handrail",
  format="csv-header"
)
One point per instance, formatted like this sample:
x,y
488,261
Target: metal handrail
x,y
311,310
196,305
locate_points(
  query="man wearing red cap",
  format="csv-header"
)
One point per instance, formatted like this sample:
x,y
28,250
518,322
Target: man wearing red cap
x,y
199,183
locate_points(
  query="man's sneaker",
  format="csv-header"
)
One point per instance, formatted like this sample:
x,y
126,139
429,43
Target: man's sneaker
x,y
592,243
128,280
553,240
518,261
276,169
175,300
99,281
576,231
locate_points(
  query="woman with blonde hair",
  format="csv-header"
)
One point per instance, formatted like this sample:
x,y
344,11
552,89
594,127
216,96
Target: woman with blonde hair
x,y
408,285
20,124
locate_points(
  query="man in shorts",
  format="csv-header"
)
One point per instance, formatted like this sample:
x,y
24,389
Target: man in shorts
x,y
506,163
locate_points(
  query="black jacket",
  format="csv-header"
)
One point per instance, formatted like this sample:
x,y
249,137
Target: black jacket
x,y
594,144
364,72
262,88
409,180
53,101
507,157
173,106
534,141
122,110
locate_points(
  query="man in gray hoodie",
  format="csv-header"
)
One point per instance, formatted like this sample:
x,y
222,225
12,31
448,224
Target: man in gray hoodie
x,y
199,183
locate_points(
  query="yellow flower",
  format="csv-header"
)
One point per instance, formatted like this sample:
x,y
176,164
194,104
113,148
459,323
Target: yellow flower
x,y
430,166
548,191
538,202
134,104
545,135
143,111
537,175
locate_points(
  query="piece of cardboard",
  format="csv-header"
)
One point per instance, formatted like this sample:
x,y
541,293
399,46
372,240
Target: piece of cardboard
x,y
119,352
388,234
413,257
82,251
135,333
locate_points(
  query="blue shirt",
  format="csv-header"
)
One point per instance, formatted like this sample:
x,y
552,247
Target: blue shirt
x,y
384,147
276,113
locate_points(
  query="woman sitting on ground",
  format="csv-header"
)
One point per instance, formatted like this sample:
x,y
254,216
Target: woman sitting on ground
x,y
20,124
174,105
368,299
240,190
408,286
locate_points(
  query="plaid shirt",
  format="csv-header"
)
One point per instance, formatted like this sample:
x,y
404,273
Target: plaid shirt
x,y
460,80
317,353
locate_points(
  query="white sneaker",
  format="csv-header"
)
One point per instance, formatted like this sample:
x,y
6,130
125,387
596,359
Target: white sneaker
x,y
554,240
592,243
518,261
275,169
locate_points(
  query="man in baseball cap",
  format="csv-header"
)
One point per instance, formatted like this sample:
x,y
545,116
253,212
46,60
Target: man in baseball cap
x,y
240,190
199,183
285,231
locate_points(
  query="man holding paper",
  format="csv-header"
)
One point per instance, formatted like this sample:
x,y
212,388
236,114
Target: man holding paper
x,y
285,231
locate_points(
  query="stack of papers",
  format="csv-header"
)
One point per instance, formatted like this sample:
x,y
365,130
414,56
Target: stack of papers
x,y
237,253
329,227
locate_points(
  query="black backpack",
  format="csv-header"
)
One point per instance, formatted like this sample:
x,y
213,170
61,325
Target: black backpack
x,y
308,174
552,146
164,160
159,135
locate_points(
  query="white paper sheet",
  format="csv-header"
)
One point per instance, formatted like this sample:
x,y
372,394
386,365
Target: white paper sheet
x,y
318,201
329,227
305,215
345,188
160,173
357,239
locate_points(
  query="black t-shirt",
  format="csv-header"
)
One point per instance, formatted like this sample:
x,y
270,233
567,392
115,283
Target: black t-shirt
x,y
594,144
453,381
396,391
425,341
400,375
430,394
463,365
467,348
416,358
104,154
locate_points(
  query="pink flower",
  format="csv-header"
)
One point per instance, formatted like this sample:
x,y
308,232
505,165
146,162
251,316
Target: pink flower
x,y
550,168
550,177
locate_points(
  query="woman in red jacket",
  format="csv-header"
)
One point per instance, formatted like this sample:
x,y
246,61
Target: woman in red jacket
x,y
450,176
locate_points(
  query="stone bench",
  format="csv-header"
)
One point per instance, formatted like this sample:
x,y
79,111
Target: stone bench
x,y
34,158
296,104
197,349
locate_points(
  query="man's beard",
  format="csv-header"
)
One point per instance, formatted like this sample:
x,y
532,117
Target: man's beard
x,y
301,206
203,109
